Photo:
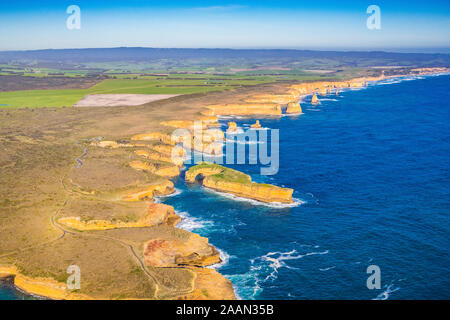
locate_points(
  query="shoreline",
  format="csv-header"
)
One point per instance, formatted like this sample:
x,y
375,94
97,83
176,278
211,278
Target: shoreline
x,y
36,287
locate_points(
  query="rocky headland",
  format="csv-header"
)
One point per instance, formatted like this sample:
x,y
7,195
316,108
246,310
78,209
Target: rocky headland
x,y
227,180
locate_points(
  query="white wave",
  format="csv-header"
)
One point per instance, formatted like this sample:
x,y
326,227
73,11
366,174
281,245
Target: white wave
x,y
291,114
224,257
176,192
328,99
190,223
246,286
277,260
387,292
326,269
278,205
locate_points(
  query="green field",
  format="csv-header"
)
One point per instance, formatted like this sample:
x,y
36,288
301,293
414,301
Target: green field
x,y
145,84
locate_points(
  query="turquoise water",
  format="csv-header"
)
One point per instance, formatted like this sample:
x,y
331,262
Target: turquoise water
x,y
370,169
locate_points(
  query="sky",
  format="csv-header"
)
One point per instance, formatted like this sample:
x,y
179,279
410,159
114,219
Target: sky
x,y
316,24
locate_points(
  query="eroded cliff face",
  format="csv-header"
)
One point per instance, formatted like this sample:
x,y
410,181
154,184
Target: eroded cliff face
x,y
157,213
210,285
196,251
43,287
273,98
245,109
145,193
314,99
256,191
256,125
293,107
153,155
231,181
169,171
232,126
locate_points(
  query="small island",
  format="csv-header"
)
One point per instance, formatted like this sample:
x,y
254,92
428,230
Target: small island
x,y
231,181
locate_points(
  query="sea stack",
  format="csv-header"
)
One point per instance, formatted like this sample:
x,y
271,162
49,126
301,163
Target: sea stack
x,y
294,107
256,125
314,99
337,92
232,126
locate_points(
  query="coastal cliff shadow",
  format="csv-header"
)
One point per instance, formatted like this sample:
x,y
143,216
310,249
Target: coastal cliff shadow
x,y
199,179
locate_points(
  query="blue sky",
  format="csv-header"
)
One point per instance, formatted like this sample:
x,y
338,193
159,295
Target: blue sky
x,y
317,24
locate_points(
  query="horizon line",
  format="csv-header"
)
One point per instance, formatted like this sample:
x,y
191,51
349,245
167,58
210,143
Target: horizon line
x,y
384,50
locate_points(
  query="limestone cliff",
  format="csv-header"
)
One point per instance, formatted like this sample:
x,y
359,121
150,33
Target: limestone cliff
x,y
293,107
163,188
169,171
245,109
314,99
196,251
232,126
210,285
256,125
157,213
42,287
231,181
273,98
153,155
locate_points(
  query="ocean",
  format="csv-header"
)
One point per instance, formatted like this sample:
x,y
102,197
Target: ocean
x,y
370,170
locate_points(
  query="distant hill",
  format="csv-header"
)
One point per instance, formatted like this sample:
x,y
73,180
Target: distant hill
x,y
218,57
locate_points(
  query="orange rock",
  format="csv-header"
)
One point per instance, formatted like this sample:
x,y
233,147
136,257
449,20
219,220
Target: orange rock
x,y
210,285
163,188
163,171
293,108
232,126
159,213
154,136
195,251
256,125
153,155
246,109
314,99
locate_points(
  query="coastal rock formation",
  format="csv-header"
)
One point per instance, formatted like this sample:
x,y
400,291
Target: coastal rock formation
x,y
232,126
42,287
245,109
210,285
293,107
157,213
256,125
323,91
272,98
231,181
163,188
156,156
195,251
160,170
154,136
314,99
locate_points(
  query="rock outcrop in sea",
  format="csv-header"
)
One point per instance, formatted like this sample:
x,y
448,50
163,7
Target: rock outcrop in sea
x,y
227,180
293,107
